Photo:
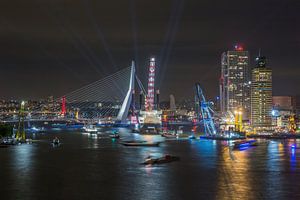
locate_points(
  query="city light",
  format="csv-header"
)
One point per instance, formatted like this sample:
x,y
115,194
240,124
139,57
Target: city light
x,y
238,47
88,110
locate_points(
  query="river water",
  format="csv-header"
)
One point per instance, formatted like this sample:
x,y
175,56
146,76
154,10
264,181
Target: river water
x,y
85,167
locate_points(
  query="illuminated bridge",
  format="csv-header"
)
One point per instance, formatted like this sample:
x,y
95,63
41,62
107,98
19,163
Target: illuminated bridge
x,y
109,99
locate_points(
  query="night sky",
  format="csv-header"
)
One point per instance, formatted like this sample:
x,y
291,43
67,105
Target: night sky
x,y
51,47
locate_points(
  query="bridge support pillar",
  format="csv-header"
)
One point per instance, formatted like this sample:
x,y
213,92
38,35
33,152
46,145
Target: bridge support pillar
x,y
123,113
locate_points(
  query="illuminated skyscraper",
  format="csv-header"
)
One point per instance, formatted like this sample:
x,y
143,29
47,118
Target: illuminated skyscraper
x,y
234,81
261,96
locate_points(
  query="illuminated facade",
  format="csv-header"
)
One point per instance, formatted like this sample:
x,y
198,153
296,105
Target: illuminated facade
x,y
151,81
234,82
261,96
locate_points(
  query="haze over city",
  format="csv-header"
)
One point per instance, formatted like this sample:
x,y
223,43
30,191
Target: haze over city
x,y
54,47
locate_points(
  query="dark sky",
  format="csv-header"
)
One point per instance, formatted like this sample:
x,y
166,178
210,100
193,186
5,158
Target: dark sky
x,y
51,47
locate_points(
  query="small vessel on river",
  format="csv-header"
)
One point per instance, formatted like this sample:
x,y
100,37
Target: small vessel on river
x,y
244,144
90,129
115,135
165,159
55,141
139,143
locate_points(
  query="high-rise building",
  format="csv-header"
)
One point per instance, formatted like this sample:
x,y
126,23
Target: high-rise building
x,y
261,96
234,81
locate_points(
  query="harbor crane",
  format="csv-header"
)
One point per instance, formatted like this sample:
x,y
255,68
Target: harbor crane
x,y
206,111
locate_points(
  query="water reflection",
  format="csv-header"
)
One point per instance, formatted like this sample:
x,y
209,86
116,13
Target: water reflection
x,y
206,151
233,175
293,149
275,151
22,166
90,168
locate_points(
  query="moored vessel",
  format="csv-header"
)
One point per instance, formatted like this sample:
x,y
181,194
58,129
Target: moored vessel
x,y
165,159
139,143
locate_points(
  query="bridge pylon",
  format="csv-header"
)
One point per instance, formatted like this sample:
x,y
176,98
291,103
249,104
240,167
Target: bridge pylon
x,y
123,113
63,106
20,134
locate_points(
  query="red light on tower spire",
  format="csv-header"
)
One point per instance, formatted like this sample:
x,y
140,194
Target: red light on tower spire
x,y
238,47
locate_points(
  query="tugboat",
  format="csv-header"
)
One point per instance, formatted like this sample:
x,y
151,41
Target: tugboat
x,y
165,159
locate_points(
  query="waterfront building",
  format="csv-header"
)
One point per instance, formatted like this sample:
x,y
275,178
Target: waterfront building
x,y
234,82
261,96
284,102
284,107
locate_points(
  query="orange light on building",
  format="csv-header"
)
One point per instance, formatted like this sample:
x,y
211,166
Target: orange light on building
x,y
164,118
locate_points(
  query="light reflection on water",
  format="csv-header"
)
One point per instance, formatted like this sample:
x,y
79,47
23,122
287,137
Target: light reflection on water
x,y
101,168
22,167
233,177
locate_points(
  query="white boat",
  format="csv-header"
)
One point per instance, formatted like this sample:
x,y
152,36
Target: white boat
x,y
90,129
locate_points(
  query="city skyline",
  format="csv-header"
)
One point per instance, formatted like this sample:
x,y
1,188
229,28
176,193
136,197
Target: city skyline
x,y
161,99
61,46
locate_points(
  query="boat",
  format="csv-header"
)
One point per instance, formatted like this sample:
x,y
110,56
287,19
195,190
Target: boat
x,y
192,137
116,136
244,144
169,135
8,141
149,130
90,129
165,159
139,143
55,141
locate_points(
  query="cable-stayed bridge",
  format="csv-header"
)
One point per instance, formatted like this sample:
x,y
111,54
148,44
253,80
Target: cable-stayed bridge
x,y
107,98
